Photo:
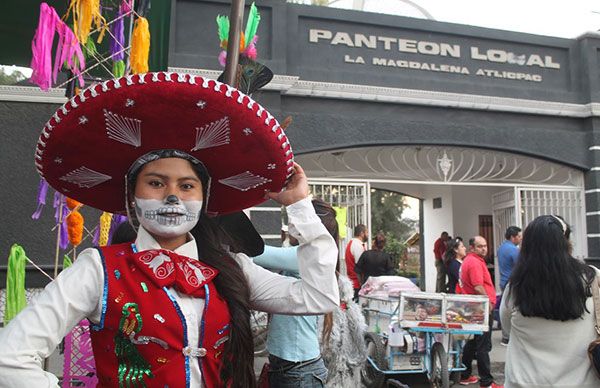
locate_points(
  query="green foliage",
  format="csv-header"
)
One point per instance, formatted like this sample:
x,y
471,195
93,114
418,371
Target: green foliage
x,y
12,78
386,214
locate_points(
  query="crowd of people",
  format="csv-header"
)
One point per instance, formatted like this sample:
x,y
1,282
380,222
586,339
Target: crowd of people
x,y
546,309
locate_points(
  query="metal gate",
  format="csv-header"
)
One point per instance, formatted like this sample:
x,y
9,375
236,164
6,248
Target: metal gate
x,y
352,197
531,202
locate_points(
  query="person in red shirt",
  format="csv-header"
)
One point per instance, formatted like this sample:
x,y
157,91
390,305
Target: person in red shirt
x,y
475,279
439,250
354,249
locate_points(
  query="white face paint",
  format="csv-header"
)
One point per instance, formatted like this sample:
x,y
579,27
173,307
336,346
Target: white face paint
x,y
167,219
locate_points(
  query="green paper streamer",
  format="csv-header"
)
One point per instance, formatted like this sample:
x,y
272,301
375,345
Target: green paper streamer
x,y
118,69
341,216
15,283
67,262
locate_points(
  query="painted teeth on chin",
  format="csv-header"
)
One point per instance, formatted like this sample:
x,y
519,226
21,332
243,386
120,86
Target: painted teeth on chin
x,y
150,214
169,221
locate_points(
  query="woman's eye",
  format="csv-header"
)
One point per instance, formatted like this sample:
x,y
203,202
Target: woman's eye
x,y
187,186
156,183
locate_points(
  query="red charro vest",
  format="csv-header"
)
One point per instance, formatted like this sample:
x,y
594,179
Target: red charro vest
x,y
141,340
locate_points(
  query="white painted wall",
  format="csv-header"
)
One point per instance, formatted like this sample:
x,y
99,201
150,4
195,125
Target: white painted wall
x,y
468,203
435,221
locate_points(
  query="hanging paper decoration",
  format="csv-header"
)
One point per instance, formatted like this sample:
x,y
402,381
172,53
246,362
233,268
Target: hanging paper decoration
x,y
15,283
248,39
117,42
104,228
341,216
140,46
86,12
41,198
60,217
74,222
68,49
67,262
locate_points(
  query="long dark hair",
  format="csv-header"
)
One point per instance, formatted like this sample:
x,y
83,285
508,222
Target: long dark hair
x,y
450,250
231,283
547,281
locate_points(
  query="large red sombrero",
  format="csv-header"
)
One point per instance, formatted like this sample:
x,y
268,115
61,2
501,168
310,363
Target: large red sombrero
x,y
89,144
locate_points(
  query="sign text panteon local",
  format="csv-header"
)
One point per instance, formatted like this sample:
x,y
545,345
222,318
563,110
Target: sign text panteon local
x,y
532,63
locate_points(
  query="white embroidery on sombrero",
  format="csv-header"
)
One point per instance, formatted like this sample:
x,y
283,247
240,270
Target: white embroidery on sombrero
x,y
82,97
244,181
85,177
129,102
74,103
181,77
116,83
192,80
58,160
129,79
213,134
271,166
247,131
201,104
56,118
83,120
123,129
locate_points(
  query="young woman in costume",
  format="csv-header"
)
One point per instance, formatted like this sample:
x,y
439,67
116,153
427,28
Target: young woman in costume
x,y
171,308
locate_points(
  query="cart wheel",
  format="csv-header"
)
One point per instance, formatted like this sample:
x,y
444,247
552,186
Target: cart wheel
x,y
371,377
439,367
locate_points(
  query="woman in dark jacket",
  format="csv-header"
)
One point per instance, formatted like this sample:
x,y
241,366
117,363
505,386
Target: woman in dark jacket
x,y
375,262
452,260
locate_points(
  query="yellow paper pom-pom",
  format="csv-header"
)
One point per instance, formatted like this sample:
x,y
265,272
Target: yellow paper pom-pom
x,y
104,226
140,46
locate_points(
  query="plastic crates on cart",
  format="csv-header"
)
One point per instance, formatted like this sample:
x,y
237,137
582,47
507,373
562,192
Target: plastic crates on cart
x,y
421,309
467,312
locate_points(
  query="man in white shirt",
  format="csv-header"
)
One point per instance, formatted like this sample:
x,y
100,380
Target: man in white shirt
x,y
355,248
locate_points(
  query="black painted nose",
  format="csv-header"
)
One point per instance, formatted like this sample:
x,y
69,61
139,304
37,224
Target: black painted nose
x,y
172,199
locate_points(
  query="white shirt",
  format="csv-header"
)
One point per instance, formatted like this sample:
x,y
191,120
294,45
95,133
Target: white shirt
x,y
357,248
77,294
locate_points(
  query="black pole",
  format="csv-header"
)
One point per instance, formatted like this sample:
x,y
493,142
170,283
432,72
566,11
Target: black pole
x,y
233,43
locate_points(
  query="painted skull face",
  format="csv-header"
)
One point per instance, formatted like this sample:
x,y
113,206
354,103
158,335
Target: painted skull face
x,y
167,218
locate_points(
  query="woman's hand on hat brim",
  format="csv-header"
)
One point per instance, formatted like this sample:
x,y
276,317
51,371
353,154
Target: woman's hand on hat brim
x,y
295,190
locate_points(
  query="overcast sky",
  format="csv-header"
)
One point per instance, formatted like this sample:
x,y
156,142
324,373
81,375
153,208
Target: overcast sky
x,y
567,19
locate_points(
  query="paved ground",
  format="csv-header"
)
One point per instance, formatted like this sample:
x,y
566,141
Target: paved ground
x,y
497,357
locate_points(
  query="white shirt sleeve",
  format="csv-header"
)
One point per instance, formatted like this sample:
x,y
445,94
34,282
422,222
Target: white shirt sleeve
x,y
317,291
357,249
35,332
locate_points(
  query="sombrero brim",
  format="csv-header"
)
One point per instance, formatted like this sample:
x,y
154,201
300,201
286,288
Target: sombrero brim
x,y
89,144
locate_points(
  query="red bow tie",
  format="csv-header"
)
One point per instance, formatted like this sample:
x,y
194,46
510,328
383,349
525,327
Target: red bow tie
x,y
168,269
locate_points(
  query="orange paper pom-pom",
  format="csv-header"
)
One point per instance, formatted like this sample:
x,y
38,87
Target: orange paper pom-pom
x,y
75,227
72,204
